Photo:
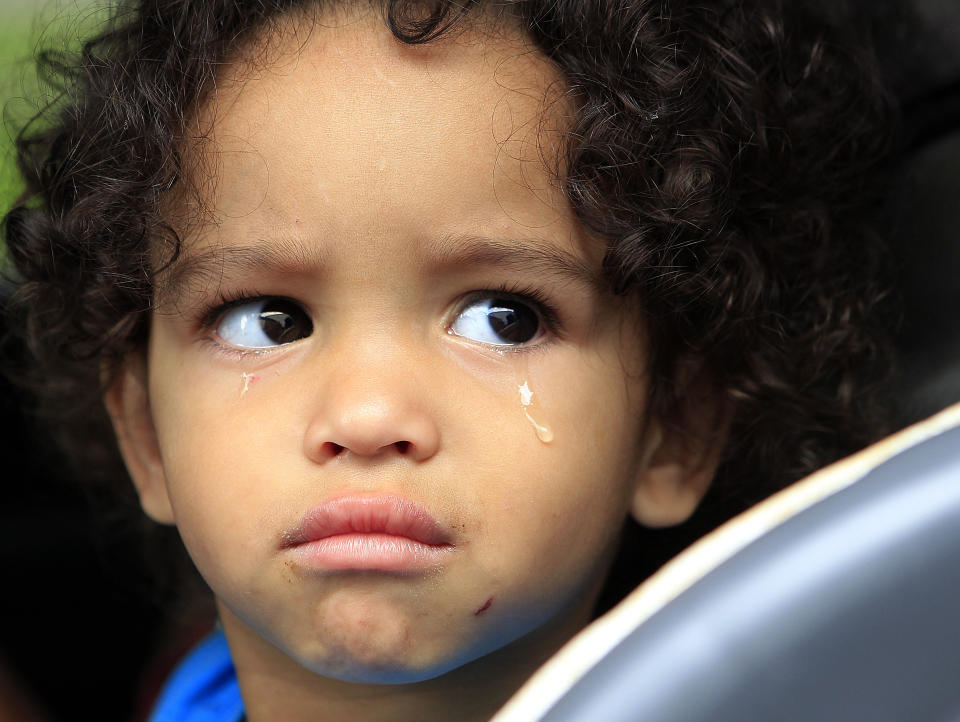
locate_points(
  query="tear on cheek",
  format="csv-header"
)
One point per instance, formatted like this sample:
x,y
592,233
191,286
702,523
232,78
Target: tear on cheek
x,y
483,607
245,381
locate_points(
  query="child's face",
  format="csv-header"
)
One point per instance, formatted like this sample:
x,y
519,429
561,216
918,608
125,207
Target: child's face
x,y
379,197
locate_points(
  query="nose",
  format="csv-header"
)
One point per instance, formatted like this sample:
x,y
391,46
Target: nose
x,y
371,410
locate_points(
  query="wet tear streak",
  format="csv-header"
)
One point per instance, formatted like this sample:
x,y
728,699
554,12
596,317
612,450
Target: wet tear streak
x,y
483,607
245,381
544,432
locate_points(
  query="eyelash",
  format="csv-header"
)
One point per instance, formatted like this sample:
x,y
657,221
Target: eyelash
x,y
210,316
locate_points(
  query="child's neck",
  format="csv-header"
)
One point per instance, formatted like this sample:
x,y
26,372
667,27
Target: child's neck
x,y
276,687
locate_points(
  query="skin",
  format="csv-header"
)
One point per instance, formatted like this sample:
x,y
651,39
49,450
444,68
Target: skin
x,y
367,166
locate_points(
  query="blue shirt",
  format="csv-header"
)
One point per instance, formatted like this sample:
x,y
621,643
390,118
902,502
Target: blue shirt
x,y
203,687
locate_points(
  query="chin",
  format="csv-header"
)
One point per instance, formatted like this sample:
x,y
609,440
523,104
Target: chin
x,y
370,668
395,661
381,671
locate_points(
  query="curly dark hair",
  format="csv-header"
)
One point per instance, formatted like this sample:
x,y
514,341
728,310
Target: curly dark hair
x,y
726,151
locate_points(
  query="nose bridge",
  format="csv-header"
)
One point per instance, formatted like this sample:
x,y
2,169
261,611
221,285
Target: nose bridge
x,y
375,345
372,400
374,363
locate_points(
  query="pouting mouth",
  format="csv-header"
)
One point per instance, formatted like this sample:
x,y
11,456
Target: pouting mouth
x,y
387,515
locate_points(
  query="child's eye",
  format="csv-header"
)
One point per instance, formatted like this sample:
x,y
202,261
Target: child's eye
x,y
498,322
264,323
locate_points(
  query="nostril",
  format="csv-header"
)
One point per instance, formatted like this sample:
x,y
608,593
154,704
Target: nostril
x,y
331,449
402,446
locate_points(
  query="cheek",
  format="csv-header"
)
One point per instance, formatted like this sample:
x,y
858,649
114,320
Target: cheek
x,y
554,522
558,526
216,465
573,495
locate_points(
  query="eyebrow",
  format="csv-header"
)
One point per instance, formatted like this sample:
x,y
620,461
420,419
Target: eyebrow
x,y
529,255
197,270
533,256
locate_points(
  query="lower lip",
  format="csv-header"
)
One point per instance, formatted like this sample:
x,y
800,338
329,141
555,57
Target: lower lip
x,y
370,552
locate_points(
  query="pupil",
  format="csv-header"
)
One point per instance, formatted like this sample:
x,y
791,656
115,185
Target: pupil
x,y
512,321
284,322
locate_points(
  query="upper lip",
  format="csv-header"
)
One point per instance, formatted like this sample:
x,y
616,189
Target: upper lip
x,y
390,515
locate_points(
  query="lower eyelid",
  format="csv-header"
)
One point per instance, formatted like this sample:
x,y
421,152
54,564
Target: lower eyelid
x,y
221,347
541,345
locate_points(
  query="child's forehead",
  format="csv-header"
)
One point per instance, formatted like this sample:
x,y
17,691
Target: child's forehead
x,y
336,62
339,126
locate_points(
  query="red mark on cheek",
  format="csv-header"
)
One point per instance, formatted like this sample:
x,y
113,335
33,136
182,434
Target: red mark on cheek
x,y
483,607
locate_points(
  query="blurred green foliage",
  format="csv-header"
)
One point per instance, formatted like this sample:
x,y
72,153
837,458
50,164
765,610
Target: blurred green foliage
x,y
17,39
27,26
